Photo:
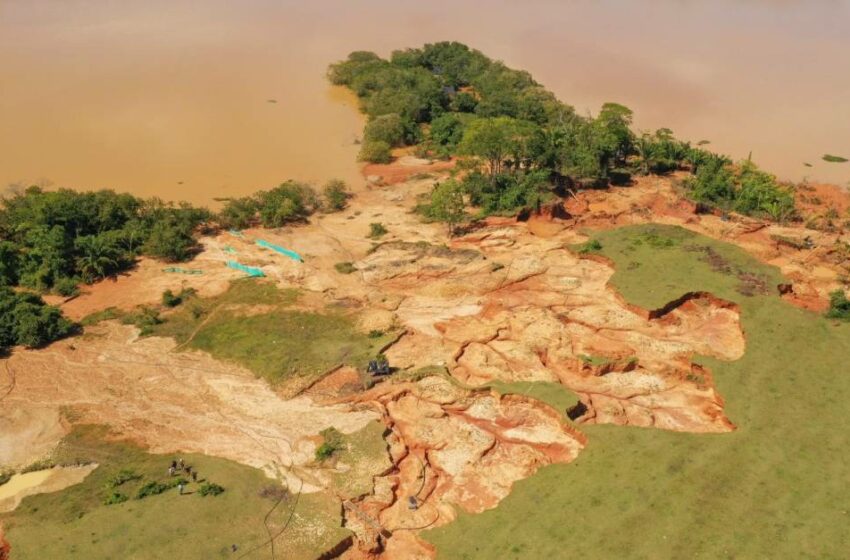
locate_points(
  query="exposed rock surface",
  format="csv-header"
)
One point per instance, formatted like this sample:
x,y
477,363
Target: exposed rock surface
x,y
452,447
508,302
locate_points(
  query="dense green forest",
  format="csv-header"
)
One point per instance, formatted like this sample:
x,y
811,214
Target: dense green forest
x,y
53,240
518,145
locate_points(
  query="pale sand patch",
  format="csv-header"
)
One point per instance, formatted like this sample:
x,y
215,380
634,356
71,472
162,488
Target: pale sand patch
x,y
40,482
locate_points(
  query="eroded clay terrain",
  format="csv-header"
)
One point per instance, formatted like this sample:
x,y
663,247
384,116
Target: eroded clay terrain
x,y
508,301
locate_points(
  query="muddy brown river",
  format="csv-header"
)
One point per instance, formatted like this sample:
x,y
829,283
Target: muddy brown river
x,y
191,100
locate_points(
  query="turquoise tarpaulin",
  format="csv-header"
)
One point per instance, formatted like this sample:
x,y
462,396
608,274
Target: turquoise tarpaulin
x,y
291,254
249,270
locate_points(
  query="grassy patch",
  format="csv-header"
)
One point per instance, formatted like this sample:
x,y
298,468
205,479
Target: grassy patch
x,y
98,316
592,246
255,325
554,394
360,457
777,487
377,230
78,523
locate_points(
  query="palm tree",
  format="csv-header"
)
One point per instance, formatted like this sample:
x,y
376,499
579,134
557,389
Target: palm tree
x,y
645,150
97,258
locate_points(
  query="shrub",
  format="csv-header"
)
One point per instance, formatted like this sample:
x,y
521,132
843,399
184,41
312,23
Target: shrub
x,y
388,129
25,319
115,498
170,300
170,241
239,213
288,202
5,476
145,319
376,230
123,476
839,306
67,286
375,334
345,267
375,152
591,246
210,489
331,444
151,489
336,195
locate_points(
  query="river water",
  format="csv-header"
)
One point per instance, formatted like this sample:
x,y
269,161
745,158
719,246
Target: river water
x,y
196,100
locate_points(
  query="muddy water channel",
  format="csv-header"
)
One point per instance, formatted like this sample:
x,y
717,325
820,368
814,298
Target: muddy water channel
x,y
190,100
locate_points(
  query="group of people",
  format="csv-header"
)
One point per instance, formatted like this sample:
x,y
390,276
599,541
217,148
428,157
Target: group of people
x,y
177,466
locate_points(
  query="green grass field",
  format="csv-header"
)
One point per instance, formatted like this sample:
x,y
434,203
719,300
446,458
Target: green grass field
x,y
75,523
256,325
777,487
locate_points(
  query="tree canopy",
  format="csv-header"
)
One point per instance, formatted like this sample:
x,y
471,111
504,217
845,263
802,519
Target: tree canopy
x,y
517,142
53,240
25,319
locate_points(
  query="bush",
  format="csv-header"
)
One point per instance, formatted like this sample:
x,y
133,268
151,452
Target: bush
x,y
388,129
67,286
375,152
331,444
170,241
210,489
151,489
5,476
839,306
376,230
375,334
25,319
170,300
345,267
239,213
592,246
123,476
145,319
115,498
336,195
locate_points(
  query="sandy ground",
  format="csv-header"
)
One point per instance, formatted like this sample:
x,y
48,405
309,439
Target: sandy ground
x,y
507,301
169,401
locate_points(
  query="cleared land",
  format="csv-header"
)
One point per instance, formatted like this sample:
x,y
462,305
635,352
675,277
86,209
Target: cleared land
x,y
775,487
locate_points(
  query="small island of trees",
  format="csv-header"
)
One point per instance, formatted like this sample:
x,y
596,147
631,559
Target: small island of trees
x,y
519,146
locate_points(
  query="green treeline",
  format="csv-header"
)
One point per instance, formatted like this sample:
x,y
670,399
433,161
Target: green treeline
x,y
54,240
51,241
518,145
